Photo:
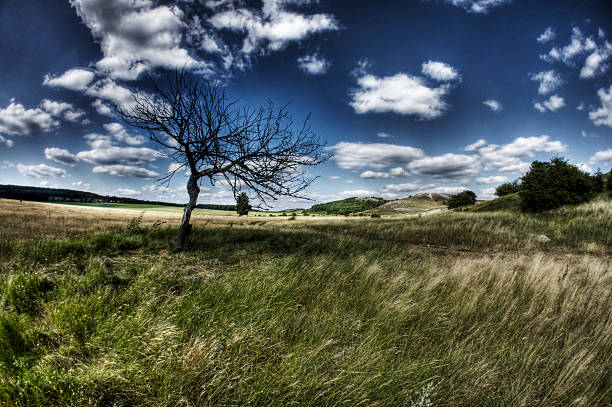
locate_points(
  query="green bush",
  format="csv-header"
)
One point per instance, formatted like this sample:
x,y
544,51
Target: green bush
x,y
598,182
346,206
461,199
549,185
507,188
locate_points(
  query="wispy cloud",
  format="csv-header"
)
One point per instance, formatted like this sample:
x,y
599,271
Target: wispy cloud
x,y
547,35
494,105
603,115
313,64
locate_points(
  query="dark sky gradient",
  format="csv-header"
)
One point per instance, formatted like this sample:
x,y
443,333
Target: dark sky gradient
x,y
495,53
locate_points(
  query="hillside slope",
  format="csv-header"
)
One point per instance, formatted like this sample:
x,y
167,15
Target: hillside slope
x,y
419,203
346,206
508,202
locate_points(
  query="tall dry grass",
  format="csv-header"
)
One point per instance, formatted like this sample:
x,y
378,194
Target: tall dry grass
x,y
362,312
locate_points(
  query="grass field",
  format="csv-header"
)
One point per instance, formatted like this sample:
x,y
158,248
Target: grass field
x,y
157,208
452,309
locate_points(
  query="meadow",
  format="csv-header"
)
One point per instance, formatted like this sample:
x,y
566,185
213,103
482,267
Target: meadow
x,y
450,309
155,208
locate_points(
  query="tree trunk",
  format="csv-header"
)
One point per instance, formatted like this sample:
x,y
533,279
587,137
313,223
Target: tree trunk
x,y
185,230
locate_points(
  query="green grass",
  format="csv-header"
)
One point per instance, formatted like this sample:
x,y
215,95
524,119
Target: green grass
x,y
510,202
314,313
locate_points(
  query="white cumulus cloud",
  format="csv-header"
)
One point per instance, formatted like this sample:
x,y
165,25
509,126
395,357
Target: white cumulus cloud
x,y
102,108
41,171
552,104
60,155
439,71
549,81
15,120
402,188
595,52
603,115
119,155
374,174
398,172
375,155
475,145
496,179
604,156
73,79
119,133
508,157
125,171
62,109
272,27
400,93
448,166
136,36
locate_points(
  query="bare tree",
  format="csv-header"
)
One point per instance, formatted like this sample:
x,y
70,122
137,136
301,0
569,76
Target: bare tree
x,y
212,137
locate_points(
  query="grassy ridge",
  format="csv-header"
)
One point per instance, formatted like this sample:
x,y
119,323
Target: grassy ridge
x,y
346,206
356,312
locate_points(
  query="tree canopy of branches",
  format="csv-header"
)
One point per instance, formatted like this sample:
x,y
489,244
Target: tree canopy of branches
x,y
210,136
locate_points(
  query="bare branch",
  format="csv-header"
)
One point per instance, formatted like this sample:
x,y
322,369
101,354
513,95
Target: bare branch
x,y
258,149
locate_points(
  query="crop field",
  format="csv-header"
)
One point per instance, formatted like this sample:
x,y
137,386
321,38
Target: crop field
x,y
451,309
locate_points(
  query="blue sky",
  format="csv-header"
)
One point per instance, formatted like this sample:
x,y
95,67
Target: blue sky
x,y
411,96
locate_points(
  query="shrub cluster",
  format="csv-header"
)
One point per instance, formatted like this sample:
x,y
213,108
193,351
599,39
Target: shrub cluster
x,y
507,188
464,198
549,185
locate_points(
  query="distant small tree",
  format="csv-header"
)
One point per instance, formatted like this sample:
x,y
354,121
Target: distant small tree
x,y
548,185
598,182
508,188
609,183
461,199
242,204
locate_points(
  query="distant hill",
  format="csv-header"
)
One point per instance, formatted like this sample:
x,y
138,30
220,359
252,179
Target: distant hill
x,y
412,205
372,205
346,206
38,194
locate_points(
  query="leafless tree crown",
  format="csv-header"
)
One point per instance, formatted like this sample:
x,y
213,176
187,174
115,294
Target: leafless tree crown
x,y
261,149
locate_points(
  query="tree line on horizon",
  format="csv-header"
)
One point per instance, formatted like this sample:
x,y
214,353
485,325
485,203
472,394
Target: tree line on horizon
x,y
41,194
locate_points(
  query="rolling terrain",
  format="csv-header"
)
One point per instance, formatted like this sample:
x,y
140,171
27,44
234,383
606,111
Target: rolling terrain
x,y
414,205
453,309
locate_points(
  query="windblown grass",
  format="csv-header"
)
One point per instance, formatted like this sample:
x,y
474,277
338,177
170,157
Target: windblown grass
x,y
462,309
